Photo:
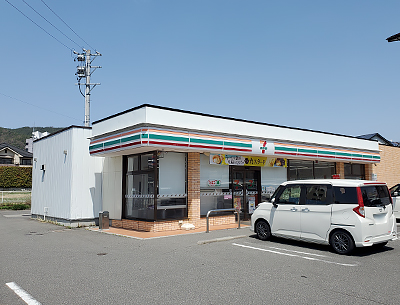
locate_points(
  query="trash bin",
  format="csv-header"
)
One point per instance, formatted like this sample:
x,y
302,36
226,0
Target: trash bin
x,y
104,220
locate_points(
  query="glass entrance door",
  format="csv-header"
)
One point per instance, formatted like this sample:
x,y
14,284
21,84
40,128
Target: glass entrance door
x,y
246,189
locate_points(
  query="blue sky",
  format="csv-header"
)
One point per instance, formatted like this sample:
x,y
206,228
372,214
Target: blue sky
x,y
320,65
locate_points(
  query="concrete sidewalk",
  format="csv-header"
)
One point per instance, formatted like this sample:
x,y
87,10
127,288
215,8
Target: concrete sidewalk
x,y
148,235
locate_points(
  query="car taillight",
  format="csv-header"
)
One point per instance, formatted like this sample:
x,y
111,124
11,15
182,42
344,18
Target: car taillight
x,y
360,209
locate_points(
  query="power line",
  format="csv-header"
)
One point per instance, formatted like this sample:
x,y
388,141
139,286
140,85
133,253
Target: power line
x,y
39,26
67,25
13,98
51,23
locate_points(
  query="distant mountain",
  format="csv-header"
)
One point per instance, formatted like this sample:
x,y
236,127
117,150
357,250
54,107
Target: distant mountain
x,y
18,136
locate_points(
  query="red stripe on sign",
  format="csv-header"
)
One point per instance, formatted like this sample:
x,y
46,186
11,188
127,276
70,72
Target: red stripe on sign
x,y
285,153
205,146
96,151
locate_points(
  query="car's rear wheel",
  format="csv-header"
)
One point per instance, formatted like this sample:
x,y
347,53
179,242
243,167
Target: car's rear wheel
x,y
342,242
263,230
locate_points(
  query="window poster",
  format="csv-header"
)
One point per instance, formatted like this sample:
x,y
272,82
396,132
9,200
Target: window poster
x,y
221,159
237,204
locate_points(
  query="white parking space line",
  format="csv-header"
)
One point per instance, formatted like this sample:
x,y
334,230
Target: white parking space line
x,y
26,297
299,252
296,255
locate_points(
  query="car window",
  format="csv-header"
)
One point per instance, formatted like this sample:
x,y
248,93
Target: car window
x,y
290,195
395,188
345,195
317,194
375,195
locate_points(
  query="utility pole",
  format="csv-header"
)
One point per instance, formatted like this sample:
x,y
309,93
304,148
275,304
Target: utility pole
x,y
84,70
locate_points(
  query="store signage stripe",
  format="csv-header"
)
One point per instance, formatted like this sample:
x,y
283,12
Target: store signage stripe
x,y
203,141
237,149
311,151
96,151
168,138
205,146
324,152
280,148
96,146
130,144
131,138
237,144
168,143
115,136
112,142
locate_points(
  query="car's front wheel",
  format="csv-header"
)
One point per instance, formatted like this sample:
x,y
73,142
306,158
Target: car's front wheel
x,y
263,230
342,242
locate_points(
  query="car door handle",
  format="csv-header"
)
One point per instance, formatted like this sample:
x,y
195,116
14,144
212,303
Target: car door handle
x,y
293,209
305,210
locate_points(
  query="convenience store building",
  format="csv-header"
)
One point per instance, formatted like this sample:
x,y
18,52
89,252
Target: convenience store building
x,y
162,166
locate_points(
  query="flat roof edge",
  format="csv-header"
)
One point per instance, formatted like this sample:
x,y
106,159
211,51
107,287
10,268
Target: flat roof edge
x,y
225,118
62,130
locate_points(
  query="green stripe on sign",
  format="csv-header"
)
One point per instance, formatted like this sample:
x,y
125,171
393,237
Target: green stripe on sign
x,y
238,144
96,146
367,156
343,154
310,151
112,143
168,138
376,157
213,142
324,152
145,135
131,138
285,148
357,155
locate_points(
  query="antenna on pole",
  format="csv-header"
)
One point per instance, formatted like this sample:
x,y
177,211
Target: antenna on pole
x,y
84,70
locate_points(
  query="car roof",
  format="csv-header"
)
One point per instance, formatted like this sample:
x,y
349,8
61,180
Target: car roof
x,y
336,182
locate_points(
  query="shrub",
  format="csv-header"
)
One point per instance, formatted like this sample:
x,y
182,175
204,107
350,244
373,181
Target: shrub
x,y
15,206
14,176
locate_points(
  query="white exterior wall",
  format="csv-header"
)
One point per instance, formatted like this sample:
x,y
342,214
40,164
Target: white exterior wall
x,y
182,120
112,186
52,188
70,186
86,178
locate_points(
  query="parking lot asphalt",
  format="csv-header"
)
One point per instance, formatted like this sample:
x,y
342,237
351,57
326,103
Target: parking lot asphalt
x,y
59,265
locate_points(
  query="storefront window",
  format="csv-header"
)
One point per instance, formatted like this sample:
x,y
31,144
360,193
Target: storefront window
x,y
323,170
271,178
172,196
214,186
354,171
301,169
155,186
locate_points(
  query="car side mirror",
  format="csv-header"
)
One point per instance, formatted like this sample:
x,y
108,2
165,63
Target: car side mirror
x,y
274,203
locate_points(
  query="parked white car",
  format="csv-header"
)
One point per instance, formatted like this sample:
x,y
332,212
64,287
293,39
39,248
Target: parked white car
x,y
343,213
395,193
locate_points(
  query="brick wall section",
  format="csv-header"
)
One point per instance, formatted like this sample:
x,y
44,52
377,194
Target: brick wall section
x,y
340,169
193,186
368,171
388,170
170,225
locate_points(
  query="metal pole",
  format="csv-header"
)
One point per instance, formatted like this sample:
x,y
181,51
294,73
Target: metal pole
x,y
87,90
